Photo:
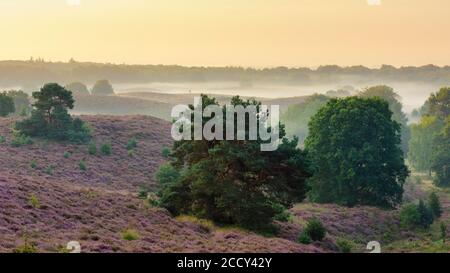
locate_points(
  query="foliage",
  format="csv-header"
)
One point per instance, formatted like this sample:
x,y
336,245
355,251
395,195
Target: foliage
x,y
354,146
304,238
435,205
315,230
142,193
50,118
234,182
92,148
2,139
82,165
345,246
416,216
297,116
26,248
439,103
106,149
33,201
66,155
33,164
282,214
77,88
20,140
131,144
165,175
6,105
21,102
421,143
393,99
130,235
440,160
166,152
102,88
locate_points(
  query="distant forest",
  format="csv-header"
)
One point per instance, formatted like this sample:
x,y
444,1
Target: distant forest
x,y
33,73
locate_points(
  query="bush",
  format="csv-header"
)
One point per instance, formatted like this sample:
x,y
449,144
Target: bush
x,y
105,149
130,153
282,215
130,235
33,164
49,170
66,155
315,230
142,193
416,216
26,248
166,152
132,144
21,140
82,165
435,205
443,230
304,238
165,175
33,201
92,148
344,245
2,139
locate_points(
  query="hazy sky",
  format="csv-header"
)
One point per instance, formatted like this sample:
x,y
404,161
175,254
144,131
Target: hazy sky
x,y
228,32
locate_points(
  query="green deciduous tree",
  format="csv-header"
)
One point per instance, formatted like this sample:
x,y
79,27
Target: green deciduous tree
x,y
388,94
102,88
297,116
422,141
233,181
77,88
440,162
355,149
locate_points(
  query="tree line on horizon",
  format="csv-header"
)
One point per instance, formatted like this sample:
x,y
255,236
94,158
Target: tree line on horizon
x,y
33,73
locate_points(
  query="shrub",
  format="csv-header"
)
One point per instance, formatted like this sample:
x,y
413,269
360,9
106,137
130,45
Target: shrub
x,y
33,201
282,215
166,152
315,230
33,164
142,193
443,230
426,215
131,144
130,153
416,216
49,170
304,238
105,149
165,175
153,199
130,235
82,165
21,140
2,139
92,148
26,248
66,155
435,205
344,245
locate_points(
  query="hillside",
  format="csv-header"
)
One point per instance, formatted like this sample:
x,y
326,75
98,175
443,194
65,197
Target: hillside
x,y
95,206
45,197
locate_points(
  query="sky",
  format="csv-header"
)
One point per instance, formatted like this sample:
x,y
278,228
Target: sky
x,y
256,33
